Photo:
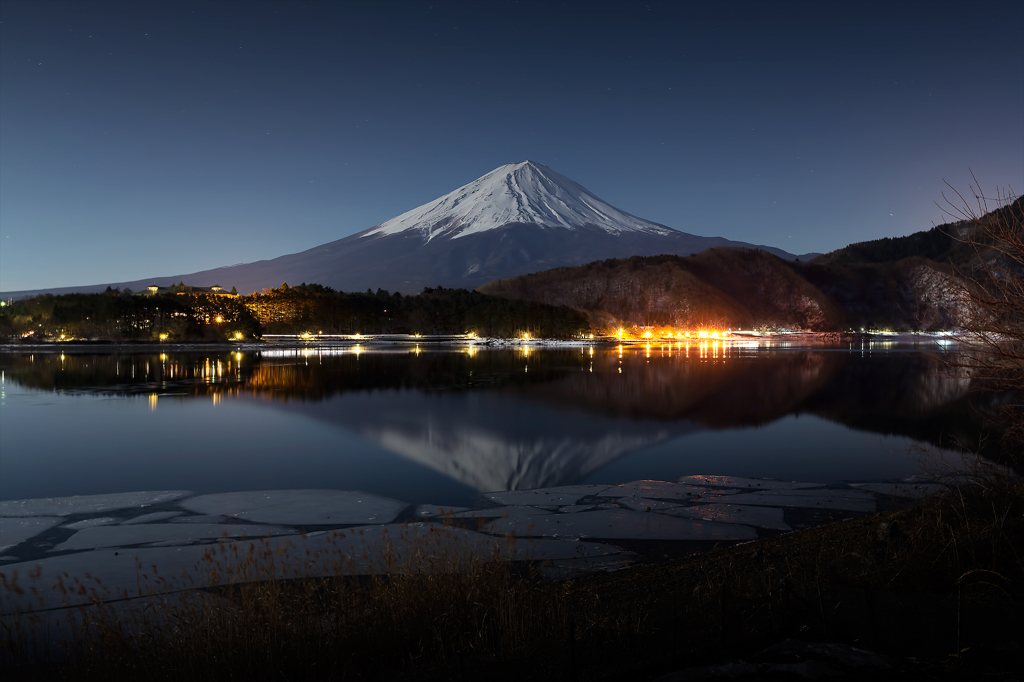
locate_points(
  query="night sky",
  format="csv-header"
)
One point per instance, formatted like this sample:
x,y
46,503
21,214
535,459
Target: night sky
x,y
140,139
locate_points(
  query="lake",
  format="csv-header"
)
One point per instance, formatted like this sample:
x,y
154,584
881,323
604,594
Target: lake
x,y
427,424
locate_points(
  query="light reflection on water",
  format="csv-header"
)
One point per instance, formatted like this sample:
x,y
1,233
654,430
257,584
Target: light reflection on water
x,y
429,425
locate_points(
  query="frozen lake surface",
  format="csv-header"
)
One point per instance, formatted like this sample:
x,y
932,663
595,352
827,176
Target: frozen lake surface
x,y
128,545
132,467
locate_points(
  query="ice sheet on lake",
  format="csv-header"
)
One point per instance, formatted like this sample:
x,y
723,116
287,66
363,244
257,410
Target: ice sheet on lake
x,y
577,568
746,482
89,523
299,507
503,512
14,531
546,497
614,524
770,518
662,490
844,500
644,504
204,518
907,490
151,517
366,550
435,511
87,504
575,508
178,534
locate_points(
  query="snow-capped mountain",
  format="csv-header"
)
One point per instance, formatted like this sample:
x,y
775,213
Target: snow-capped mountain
x,y
517,219
523,193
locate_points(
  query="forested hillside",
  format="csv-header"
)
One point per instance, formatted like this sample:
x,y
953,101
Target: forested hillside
x,y
180,316
718,288
747,289
959,244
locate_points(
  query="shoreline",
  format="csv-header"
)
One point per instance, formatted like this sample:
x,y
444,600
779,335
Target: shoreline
x,y
575,530
871,595
823,340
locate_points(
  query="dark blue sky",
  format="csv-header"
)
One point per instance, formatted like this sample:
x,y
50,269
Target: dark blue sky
x,y
141,139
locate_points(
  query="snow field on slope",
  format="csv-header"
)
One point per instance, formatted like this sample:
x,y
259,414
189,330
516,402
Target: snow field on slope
x,y
524,192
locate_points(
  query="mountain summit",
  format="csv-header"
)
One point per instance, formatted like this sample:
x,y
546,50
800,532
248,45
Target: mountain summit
x,y
518,219
522,193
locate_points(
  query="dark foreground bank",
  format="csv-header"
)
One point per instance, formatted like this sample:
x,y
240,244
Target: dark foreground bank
x,y
931,591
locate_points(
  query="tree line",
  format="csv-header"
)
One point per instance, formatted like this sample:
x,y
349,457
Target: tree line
x,y
319,309
115,315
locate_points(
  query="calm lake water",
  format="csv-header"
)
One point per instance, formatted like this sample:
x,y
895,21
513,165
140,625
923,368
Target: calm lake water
x,y
442,425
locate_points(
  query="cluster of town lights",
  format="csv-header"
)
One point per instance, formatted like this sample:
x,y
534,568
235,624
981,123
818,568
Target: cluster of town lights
x,y
672,334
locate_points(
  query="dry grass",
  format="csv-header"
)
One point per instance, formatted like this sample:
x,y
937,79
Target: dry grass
x,y
942,580
433,606
934,580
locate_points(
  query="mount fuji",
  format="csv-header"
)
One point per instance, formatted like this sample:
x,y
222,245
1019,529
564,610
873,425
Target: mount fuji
x,y
517,219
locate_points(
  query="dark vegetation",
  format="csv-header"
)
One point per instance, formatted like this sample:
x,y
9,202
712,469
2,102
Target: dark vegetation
x,y
992,317
938,244
964,243
718,288
124,316
936,586
745,289
912,283
312,307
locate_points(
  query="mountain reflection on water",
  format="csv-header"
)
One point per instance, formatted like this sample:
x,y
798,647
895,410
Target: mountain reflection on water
x,y
515,419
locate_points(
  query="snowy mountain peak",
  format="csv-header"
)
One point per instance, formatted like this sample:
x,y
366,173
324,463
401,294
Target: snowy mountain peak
x,y
525,192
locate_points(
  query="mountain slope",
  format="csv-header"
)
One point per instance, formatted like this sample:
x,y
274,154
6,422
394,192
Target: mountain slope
x,y
517,219
517,193
738,288
959,244
745,288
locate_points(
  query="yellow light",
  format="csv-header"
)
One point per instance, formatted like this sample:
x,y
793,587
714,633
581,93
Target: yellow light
x,y
647,335
219,319
714,335
163,337
526,337
238,335
703,334
621,331
357,335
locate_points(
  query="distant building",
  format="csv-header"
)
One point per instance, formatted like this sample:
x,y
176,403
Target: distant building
x,y
186,289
